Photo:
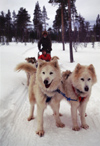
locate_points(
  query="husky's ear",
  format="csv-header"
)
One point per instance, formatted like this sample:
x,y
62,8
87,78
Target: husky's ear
x,y
41,62
77,68
66,74
54,57
55,63
92,69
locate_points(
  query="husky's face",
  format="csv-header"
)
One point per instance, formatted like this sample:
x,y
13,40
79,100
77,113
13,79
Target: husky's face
x,y
48,74
85,82
84,77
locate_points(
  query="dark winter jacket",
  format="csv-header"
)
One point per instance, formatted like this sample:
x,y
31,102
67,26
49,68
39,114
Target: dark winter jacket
x,y
46,44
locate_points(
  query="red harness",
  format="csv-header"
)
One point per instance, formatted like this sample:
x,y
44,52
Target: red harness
x,y
81,99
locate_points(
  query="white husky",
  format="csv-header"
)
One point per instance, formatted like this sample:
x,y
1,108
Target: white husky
x,y
42,90
78,86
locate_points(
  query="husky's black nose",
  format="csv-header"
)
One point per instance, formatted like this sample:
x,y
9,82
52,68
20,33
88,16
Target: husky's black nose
x,y
46,82
86,88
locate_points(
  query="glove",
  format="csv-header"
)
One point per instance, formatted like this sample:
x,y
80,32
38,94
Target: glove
x,y
40,49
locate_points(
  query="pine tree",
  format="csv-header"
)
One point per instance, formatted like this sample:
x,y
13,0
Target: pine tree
x,y
81,27
2,27
44,18
61,3
8,26
64,3
37,20
97,28
70,31
22,22
14,16
57,21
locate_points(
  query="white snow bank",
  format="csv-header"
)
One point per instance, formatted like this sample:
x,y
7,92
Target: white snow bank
x,y
14,106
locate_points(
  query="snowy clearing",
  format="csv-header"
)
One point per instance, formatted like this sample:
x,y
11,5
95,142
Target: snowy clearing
x,y
15,130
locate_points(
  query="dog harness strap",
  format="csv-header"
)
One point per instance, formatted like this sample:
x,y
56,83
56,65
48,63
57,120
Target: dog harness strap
x,y
74,90
81,99
60,92
48,99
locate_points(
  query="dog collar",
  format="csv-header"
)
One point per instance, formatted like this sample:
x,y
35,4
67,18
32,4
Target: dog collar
x,y
81,99
48,99
80,92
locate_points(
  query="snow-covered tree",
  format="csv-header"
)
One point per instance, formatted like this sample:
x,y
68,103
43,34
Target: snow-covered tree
x,y
37,20
44,18
22,22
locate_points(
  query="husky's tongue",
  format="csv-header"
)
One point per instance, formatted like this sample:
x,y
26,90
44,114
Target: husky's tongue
x,y
47,85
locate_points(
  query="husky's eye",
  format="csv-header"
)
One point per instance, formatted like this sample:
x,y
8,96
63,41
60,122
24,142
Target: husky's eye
x,y
82,79
89,79
43,72
51,73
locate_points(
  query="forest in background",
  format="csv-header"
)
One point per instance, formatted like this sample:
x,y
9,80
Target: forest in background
x,y
19,28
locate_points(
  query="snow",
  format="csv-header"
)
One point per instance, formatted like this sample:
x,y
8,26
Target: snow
x,y
14,106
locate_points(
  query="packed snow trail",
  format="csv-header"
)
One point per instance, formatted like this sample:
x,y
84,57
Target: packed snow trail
x,y
15,130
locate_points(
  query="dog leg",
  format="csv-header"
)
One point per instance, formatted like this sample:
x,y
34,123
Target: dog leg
x,y
82,114
40,111
74,117
55,107
28,78
31,112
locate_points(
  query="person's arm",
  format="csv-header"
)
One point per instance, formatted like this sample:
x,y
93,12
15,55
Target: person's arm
x,y
50,44
39,44
40,57
49,58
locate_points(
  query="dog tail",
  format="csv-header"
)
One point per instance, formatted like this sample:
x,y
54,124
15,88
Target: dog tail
x,y
27,67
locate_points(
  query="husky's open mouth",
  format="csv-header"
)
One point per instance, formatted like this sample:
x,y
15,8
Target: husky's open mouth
x,y
47,84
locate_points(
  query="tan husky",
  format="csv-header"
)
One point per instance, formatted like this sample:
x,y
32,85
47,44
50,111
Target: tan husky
x,y
44,82
78,86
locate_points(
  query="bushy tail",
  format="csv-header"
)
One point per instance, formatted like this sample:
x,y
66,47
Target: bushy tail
x,y
27,67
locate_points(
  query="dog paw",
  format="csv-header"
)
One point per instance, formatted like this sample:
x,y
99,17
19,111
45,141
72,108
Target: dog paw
x,y
76,128
30,118
59,114
85,126
61,125
40,132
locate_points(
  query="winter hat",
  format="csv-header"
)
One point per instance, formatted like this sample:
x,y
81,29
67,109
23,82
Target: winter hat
x,y
44,32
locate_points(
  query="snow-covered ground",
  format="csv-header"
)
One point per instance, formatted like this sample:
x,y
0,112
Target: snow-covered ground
x,y
15,130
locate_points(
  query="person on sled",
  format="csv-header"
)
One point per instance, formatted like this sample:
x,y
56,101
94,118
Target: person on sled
x,y
45,56
45,42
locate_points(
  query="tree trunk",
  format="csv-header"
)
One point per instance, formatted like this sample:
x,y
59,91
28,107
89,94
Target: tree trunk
x,y
62,23
70,32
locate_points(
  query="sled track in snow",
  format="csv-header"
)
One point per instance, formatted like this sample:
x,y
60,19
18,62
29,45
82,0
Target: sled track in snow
x,y
13,111
12,132
29,50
